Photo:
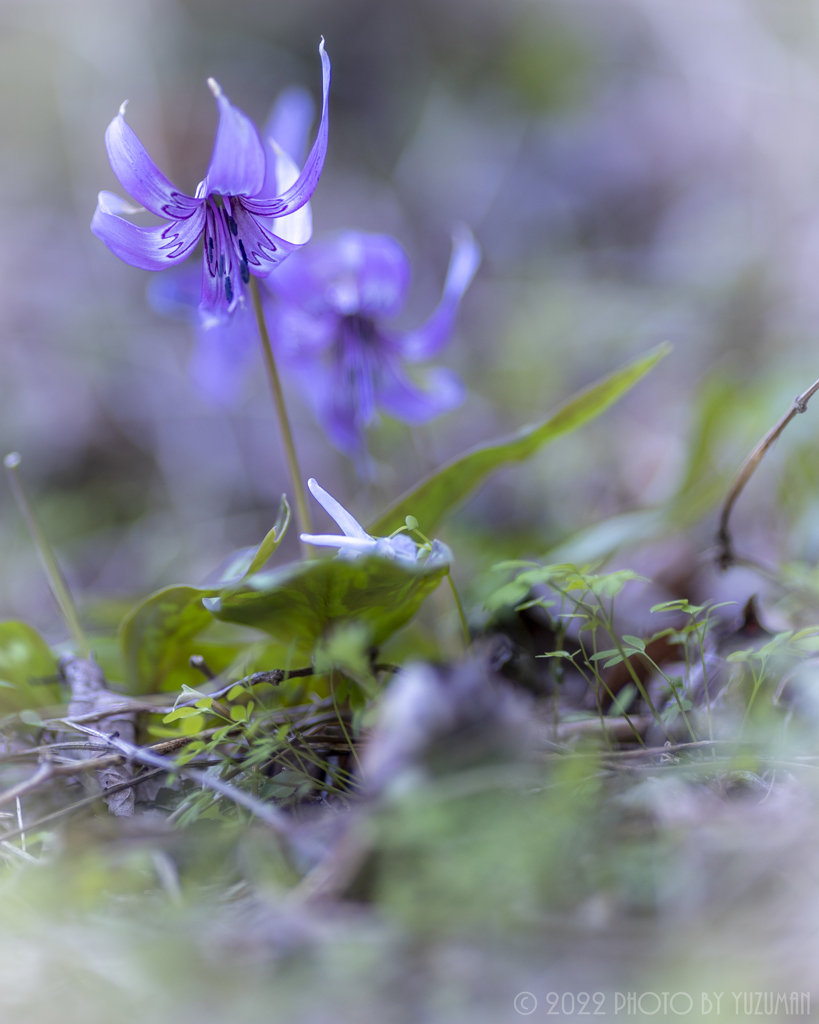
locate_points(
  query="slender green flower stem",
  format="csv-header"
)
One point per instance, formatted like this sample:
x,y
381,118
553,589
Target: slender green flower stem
x,y
59,587
302,509
467,637
350,743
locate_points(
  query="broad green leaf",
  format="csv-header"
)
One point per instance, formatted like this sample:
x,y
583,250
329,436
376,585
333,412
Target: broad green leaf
x,y
27,667
154,633
299,603
430,500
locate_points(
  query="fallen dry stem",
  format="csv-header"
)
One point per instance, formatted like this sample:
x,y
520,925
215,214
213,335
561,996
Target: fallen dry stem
x,y
725,553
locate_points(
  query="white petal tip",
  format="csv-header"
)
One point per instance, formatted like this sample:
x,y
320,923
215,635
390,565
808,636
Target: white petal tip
x,y
12,460
122,108
214,87
312,483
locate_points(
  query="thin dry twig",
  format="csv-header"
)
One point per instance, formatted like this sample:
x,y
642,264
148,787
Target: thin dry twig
x,y
725,553
45,773
138,780
619,728
270,815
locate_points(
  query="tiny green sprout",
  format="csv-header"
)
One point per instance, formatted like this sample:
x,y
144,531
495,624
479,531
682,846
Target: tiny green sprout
x,y
175,715
412,523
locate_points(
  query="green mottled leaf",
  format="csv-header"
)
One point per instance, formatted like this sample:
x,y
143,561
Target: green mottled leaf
x,y
28,667
430,500
153,634
300,602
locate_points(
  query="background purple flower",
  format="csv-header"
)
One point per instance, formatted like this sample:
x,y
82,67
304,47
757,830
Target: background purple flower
x,y
237,208
333,299
224,348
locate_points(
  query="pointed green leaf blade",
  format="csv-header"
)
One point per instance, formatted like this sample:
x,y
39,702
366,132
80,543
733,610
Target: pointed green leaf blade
x,y
246,561
430,500
272,540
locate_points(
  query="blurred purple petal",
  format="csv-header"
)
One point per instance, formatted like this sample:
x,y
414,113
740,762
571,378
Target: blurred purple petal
x,y
401,546
426,341
150,248
176,294
237,165
300,192
221,358
139,175
380,270
337,417
397,394
300,336
352,272
289,123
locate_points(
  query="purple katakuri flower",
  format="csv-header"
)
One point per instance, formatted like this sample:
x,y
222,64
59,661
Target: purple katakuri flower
x,y
333,298
356,541
237,209
224,349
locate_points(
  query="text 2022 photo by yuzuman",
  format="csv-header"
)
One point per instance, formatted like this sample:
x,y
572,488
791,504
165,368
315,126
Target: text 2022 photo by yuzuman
x,y
520,716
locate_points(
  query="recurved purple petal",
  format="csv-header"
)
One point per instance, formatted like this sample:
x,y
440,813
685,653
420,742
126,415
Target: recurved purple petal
x,y
429,339
397,395
151,248
237,165
258,242
139,175
302,189
296,227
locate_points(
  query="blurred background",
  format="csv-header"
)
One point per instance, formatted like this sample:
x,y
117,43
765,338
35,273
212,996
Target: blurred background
x,y
635,171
